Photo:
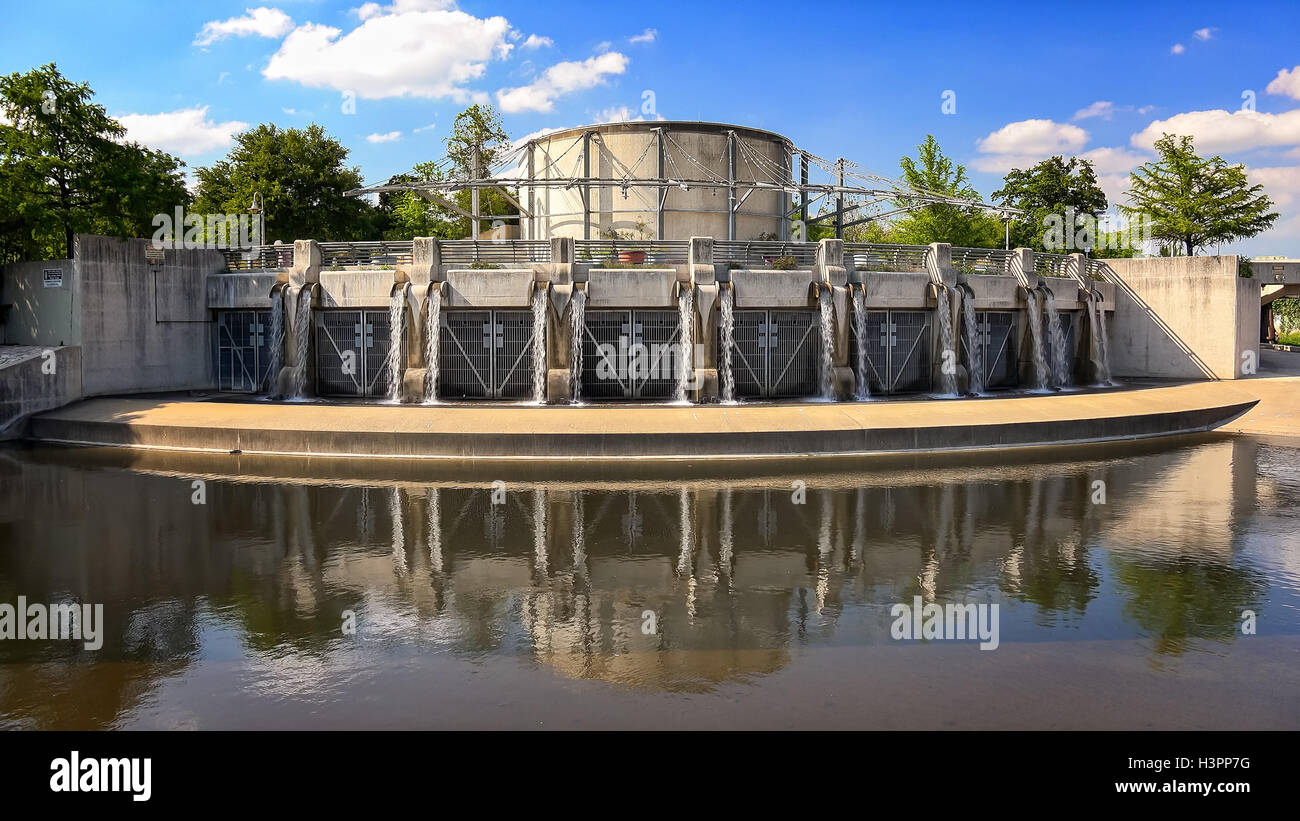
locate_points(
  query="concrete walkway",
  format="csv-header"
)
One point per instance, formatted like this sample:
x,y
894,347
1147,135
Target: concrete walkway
x,y
612,432
1277,387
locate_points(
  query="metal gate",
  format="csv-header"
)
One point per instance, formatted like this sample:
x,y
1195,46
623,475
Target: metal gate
x,y
243,350
486,355
630,354
997,341
352,352
898,351
775,353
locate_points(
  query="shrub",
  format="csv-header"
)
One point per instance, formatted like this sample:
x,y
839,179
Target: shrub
x,y
1292,338
479,264
784,264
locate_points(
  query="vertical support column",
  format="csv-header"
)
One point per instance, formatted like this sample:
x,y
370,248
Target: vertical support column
x,y
731,185
661,194
803,197
560,272
829,270
473,195
531,233
1022,268
703,276
839,199
306,262
586,185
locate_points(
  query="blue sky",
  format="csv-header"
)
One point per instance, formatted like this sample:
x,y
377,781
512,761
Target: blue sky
x,y
860,81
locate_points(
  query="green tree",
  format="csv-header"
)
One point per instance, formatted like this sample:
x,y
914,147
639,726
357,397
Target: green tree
x,y
933,172
66,168
1195,201
1049,188
301,174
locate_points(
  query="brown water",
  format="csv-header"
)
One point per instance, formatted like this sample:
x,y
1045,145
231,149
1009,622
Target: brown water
x,y
766,612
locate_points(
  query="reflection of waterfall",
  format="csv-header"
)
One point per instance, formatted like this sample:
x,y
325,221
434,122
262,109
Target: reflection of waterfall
x,y
396,310
540,560
579,534
399,533
727,327
1056,337
1103,348
577,329
828,341
277,342
432,340
824,551
974,354
724,538
860,331
947,344
539,345
435,529
301,334
1036,337
686,334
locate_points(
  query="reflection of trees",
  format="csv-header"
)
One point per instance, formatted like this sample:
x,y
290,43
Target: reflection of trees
x,y
1178,601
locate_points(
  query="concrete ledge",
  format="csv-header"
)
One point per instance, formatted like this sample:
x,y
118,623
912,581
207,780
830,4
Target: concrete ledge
x,y
482,432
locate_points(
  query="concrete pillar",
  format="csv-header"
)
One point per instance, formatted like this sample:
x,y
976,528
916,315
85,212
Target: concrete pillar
x,y
306,262
829,270
1022,268
1078,270
938,264
426,262
560,272
703,276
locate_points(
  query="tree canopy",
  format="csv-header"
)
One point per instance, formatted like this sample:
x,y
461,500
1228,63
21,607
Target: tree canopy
x,y
66,167
933,171
301,175
1046,189
1194,201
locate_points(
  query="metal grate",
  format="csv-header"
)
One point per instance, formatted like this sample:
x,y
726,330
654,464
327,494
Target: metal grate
x,y
630,354
775,353
997,340
352,353
243,350
1067,331
898,351
486,354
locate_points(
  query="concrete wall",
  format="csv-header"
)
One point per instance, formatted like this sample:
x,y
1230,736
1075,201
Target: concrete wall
x,y
1183,318
35,314
35,379
144,327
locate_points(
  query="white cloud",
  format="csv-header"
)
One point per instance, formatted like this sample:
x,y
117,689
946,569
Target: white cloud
x,y
535,41
422,128
1205,33
1218,130
647,36
1113,160
1287,82
391,136
1101,108
258,22
604,45
621,114
1034,137
560,79
1177,48
412,48
185,132
1282,183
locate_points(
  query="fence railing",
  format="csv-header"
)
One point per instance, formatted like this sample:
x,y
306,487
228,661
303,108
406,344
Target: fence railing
x,y
982,260
868,256
1097,269
500,252
763,252
632,251
336,255
1051,265
259,258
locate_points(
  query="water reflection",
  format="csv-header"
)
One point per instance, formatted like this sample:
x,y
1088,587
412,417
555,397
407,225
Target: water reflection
x,y
740,580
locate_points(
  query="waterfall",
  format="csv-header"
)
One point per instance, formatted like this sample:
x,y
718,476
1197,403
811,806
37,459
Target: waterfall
x,y
277,342
828,341
860,331
396,309
726,377
432,339
974,354
1103,347
539,345
686,331
947,344
301,335
1036,337
1056,337
577,329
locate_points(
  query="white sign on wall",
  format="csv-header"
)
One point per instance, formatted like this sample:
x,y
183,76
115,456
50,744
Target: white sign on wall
x,y
52,277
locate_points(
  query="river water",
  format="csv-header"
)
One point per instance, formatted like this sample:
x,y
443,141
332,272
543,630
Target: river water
x,y
297,594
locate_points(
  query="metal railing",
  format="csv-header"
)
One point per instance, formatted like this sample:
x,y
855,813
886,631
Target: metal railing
x,y
632,251
982,260
258,258
763,252
1097,269
1051,265
499,252
336,255
873,257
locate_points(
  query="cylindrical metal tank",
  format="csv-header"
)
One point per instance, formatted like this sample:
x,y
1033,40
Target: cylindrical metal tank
x,y
577,206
